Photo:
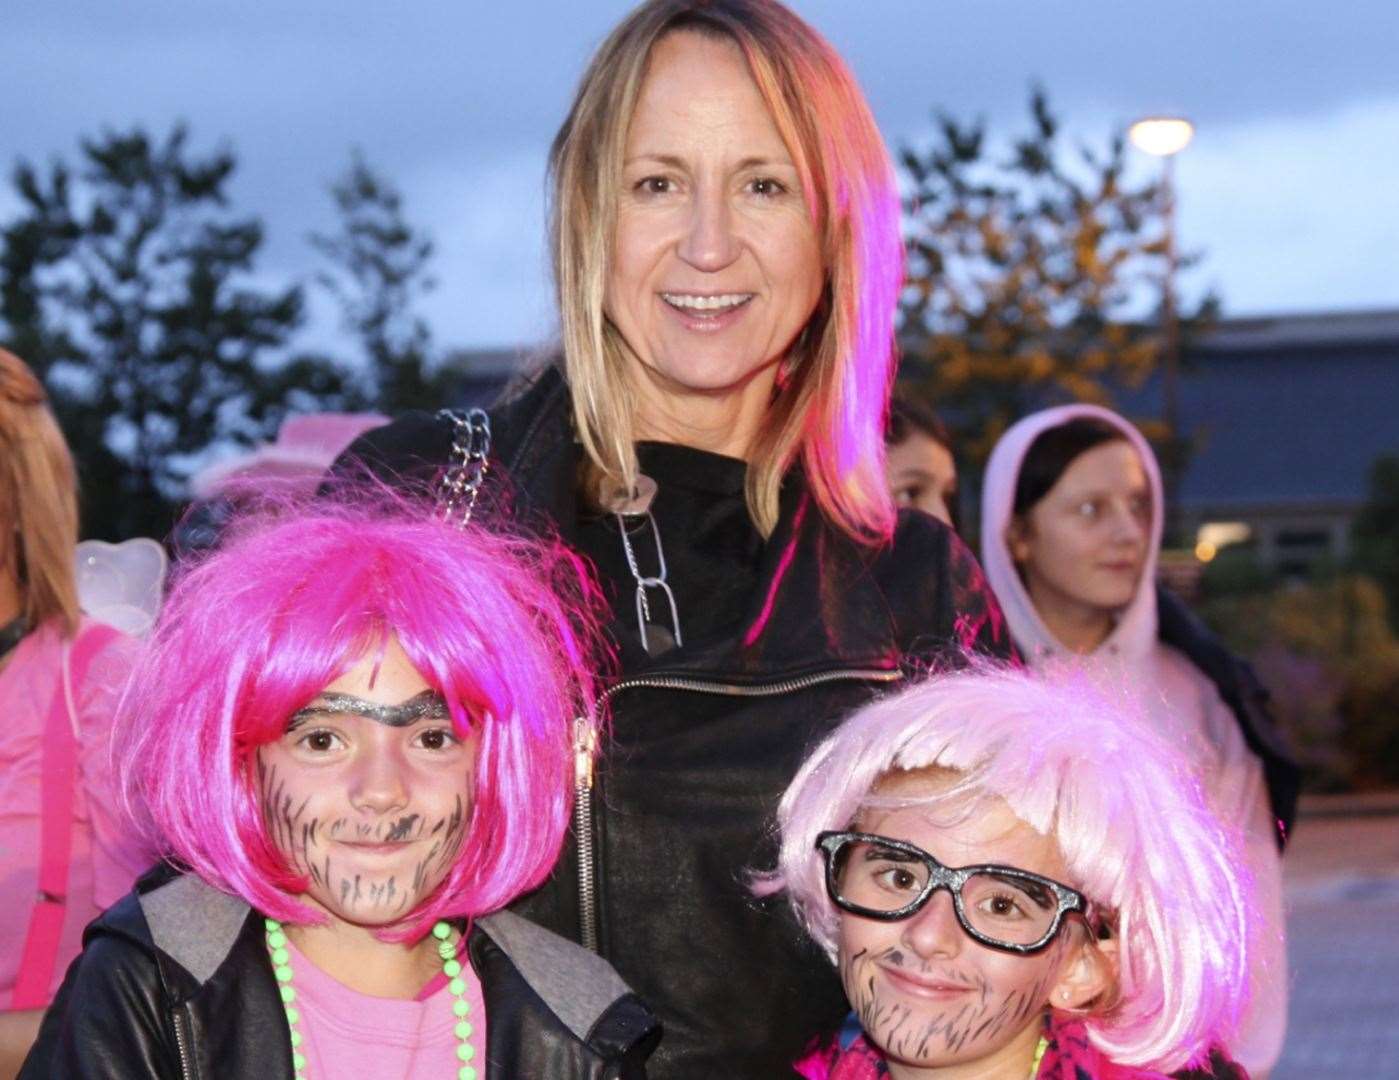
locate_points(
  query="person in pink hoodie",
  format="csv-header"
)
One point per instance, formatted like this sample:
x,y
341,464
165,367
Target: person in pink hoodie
x,y
1015,877
1071,524
65,853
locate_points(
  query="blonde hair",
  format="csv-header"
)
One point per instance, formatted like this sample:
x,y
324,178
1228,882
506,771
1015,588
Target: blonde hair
x,y
38,493
834,388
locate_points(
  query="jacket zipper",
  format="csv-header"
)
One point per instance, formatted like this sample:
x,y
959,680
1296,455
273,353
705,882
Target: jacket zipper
x,y
186,1068
585,738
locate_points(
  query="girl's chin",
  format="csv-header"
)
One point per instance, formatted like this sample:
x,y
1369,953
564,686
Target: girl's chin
x,y
361,916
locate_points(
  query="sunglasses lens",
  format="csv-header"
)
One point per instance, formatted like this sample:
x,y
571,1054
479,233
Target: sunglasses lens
x,y
1009,909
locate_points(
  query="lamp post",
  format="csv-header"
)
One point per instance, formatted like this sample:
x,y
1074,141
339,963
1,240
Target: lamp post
x,y
1165,137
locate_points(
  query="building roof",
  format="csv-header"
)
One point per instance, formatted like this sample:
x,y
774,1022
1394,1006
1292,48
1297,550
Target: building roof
x,y
1286,410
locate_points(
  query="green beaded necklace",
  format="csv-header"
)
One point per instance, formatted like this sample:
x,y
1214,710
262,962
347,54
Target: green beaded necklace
x,y
1040,1048
451,967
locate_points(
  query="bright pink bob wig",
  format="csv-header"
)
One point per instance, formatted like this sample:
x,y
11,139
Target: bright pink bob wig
x,y
1128,818
500,627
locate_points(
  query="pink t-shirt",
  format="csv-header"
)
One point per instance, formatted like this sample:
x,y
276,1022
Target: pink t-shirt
x,y
346,1033
107,853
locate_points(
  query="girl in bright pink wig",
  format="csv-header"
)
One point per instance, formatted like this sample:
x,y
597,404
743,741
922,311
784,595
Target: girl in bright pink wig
x,y
1014,877
354,736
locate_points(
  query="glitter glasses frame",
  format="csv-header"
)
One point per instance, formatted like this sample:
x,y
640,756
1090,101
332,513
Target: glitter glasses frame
x,y
1068,901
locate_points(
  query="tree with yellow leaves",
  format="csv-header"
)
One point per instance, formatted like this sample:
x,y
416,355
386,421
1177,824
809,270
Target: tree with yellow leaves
x,y
1029,276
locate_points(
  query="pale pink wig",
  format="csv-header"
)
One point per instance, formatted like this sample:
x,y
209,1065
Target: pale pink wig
x,y
500,627
1122,805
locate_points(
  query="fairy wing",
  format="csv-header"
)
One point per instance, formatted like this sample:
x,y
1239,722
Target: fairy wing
x,y
122,584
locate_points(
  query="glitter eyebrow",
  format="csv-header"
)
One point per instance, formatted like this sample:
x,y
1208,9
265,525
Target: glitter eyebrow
x,y
427,705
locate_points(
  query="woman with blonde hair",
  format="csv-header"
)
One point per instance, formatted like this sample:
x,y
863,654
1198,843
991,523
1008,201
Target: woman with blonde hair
x,y
727,258
66,855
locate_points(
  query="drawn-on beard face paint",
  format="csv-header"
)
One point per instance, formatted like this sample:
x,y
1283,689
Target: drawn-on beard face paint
x,y
927,994
368,793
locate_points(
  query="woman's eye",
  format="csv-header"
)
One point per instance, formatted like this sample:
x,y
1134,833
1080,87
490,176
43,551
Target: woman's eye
x,y
653,185
319,742
1087,510
908,496
766,185
436,739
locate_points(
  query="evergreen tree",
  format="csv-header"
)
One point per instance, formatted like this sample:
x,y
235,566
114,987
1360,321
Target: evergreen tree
x,y
1022,273
127,286
378,271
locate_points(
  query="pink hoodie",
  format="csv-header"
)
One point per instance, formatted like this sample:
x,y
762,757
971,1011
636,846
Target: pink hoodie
x,y
1174,693
107,854
1069,1056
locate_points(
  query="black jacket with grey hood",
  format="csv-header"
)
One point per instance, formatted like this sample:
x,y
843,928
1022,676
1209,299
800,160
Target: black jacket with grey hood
x,y
174,982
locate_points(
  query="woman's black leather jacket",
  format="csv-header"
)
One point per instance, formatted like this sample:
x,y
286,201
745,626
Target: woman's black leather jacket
x,y
174,983
704,740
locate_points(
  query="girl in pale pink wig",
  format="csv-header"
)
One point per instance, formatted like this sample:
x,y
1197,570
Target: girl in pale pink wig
x,y
353,734
1009,872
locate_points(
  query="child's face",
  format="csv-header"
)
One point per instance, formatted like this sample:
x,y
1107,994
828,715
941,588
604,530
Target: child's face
x,y
927,993
369,802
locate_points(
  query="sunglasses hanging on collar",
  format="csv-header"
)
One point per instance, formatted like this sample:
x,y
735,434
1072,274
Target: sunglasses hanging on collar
x,y
633,512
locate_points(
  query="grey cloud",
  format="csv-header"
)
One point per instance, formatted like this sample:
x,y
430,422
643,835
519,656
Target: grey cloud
x,y
471,92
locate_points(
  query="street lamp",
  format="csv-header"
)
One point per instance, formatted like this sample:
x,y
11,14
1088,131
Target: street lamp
x,y
1165,137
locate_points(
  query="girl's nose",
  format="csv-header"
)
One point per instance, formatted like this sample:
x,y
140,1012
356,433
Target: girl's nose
x,y
379,786
934,931
1127,525
709,243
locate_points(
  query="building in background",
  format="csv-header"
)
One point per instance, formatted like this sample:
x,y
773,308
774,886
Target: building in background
x,y
482,374
1286,414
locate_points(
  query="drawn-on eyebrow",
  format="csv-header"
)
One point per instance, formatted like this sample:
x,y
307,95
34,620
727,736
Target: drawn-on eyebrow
x,y
427,705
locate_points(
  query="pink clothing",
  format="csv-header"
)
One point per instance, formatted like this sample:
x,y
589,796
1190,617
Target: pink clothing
x,y
107,855
1068,1056
1180,700
346,1033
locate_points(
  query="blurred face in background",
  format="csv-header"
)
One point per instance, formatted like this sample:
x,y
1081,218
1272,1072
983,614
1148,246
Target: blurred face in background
x,y
715,265
1082,547
923,475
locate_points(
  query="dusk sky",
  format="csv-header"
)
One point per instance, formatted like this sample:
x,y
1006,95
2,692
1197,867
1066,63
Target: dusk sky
x,y
1290,190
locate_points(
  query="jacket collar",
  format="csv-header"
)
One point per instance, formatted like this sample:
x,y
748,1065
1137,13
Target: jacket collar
x,y
208,947
818,605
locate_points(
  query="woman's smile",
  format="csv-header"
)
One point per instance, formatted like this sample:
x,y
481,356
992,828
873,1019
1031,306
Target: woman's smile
x,y
706,313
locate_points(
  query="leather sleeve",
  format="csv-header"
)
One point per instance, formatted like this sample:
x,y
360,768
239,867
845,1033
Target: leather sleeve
x,y
626,1035
943,607
108,1020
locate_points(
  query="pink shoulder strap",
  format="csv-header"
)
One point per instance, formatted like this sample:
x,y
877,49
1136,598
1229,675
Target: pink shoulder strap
x,y
58,770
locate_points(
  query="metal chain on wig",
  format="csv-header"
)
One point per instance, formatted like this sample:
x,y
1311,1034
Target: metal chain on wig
x,y
460,486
